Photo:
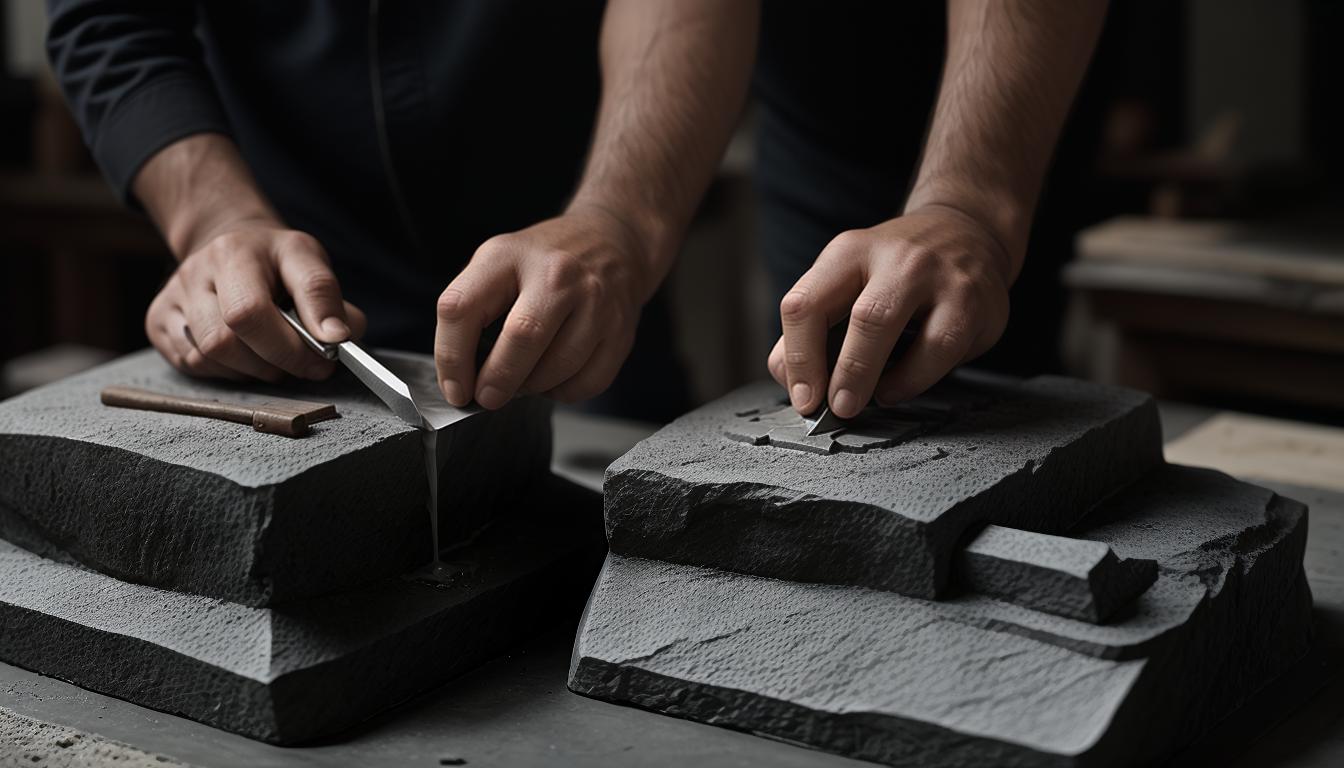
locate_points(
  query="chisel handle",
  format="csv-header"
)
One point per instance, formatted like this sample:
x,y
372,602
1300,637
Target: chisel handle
x,y
260,418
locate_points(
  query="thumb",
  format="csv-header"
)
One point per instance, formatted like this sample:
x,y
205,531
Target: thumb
x,y
308,278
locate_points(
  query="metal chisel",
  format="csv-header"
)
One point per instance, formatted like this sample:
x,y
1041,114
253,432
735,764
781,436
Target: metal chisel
x,y
823,420
411,394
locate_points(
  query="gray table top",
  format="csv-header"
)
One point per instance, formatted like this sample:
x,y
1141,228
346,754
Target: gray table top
x,y
516,710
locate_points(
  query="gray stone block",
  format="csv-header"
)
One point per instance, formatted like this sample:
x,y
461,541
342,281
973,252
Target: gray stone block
x,y
216,509
306,670
1069,577
972,680
734,485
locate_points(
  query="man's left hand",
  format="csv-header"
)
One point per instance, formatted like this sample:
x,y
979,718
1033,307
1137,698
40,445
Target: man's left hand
x,y
935,264
572,286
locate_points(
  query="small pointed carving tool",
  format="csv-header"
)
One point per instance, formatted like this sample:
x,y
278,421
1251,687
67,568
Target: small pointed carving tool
x,y
276,416
823,420
411,392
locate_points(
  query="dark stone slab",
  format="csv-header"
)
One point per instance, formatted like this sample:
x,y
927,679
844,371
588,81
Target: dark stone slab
x,y
972,680
1075,578
310,669
733,485
216,509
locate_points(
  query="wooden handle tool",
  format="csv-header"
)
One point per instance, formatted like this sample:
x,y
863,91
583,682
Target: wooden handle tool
x,y
277,417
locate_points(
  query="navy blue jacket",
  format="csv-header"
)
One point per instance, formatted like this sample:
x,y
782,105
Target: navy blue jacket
x,y
400,134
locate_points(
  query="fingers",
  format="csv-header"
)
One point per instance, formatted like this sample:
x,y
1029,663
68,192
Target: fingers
x,y
875,323
481,293
528,330
247,308
192,361
307,277
215,339
571,349
943,343
775,363
356,319
166,327
820,297
598,373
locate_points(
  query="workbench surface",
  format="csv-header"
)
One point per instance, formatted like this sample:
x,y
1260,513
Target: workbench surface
x,y
516,710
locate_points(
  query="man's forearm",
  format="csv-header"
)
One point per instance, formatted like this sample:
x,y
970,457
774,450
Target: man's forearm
x,y
1011,72
675,75
195,187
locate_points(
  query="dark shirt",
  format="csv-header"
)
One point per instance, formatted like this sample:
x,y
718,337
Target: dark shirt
x,y
844,91
400,134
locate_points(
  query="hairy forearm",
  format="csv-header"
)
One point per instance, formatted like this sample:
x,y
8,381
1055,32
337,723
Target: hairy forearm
x,y
674,77
197,186
1010,74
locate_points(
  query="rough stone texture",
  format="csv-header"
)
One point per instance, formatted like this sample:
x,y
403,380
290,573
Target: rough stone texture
x,y
1068,577
1035,455
27,742
217,509
302,671
972,680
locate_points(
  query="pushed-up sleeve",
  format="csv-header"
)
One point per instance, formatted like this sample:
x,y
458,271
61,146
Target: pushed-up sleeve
x,y
135,78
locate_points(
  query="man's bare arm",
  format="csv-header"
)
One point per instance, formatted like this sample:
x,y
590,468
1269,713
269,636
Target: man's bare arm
x,y
674,74
1011,73
674,80
947,262
217,315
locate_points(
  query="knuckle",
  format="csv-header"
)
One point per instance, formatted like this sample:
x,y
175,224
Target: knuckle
x,y
871,315
797,359
228,242
796,305
244,312
952,338
919,259
853,367
216,342
452,305
449,362
447,357
492,247
300,241
847,242
319,282
570,359
594,289
526,329
561,273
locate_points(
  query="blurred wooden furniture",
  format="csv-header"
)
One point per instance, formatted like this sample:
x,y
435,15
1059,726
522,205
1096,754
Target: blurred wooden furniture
x,y
76,267
1197,308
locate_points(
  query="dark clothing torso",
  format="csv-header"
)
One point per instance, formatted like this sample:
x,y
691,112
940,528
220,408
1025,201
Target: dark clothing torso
x,y
845,91
487,108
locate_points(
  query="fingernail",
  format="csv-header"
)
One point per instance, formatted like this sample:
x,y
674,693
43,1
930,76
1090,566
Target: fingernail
x,y
845,404
334,328
453,393
801,394
491,397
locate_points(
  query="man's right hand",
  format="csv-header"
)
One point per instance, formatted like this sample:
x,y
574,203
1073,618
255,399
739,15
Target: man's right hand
x,y
217,316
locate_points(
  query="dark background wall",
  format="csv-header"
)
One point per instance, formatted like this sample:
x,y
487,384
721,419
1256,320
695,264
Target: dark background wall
x,y
1194,111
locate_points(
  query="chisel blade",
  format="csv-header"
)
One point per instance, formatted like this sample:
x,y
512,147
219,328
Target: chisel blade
x,y
824,422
